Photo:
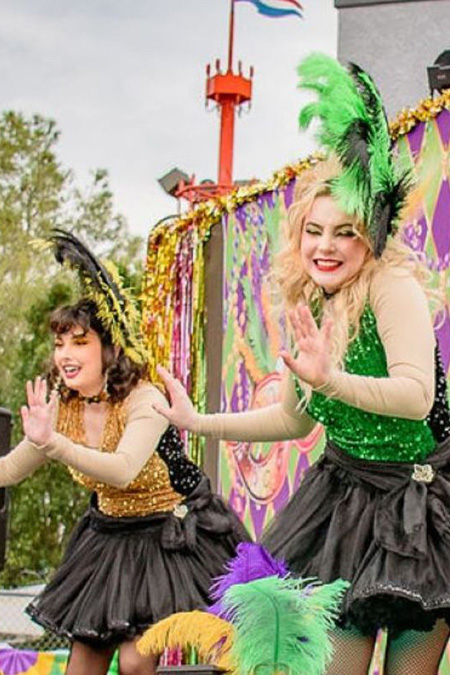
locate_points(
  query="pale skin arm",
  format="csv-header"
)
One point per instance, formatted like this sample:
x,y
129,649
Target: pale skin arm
x,y
278,422
21,462
406,331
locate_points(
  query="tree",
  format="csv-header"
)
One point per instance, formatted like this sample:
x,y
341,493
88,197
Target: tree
x,y
37,194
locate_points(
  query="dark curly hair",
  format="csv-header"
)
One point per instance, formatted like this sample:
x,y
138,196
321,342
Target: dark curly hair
x,y
122,373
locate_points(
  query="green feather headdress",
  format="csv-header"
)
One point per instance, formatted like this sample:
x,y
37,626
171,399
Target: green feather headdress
x,y
101,284
354,127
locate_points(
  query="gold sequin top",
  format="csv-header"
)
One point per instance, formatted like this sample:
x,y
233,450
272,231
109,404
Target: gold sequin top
x,y
127,474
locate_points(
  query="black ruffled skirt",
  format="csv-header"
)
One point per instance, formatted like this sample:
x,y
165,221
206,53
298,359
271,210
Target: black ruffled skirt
x,y
120,575
384,527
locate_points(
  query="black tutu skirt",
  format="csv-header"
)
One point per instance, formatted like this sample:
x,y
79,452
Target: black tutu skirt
x,y
120,575
384,527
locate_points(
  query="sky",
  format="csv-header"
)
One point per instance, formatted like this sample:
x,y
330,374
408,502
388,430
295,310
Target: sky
x,y
125,81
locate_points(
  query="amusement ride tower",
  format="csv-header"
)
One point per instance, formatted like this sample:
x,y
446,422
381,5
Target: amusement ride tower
x,y
228,90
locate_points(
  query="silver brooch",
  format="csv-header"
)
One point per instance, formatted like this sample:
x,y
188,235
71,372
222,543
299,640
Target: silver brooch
x,y
423,473
180,511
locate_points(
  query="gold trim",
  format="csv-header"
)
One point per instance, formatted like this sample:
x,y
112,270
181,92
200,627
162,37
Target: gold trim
x,y
209,212
427,109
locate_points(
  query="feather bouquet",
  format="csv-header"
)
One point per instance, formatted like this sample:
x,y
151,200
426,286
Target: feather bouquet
x,y
211,636
262,621
284,622
252,561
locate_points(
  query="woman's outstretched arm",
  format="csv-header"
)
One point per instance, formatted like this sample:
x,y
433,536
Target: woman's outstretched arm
x,y
281,421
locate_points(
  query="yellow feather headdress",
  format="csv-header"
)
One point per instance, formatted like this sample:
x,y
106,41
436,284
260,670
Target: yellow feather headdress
x,y
101,284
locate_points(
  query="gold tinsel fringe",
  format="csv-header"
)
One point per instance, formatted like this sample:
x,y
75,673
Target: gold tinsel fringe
x,y
427,109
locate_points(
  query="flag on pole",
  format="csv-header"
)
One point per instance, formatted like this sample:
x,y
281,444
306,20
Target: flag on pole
x,y
276,8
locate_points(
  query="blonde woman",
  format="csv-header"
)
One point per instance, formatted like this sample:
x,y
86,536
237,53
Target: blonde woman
x,y
375,508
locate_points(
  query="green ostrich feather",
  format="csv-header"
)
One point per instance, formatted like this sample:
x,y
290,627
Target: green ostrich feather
x,y
285,621
340,109
354,127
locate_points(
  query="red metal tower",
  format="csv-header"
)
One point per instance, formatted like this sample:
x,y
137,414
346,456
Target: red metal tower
x,y
229,91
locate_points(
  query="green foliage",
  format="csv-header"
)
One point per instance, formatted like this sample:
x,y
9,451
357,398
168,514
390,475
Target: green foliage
x,y
37,194
45,507
33,349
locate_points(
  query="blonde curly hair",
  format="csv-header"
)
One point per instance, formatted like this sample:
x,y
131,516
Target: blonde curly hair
x,y
295,285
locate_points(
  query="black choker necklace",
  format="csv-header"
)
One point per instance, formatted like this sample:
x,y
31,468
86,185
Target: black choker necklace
x,y
98,398
327,295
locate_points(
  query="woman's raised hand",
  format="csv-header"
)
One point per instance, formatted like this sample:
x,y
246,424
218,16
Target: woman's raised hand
x,y
313,361
181,412
37,415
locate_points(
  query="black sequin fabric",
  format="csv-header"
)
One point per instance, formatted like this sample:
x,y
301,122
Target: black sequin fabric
x,y
183,473
439,416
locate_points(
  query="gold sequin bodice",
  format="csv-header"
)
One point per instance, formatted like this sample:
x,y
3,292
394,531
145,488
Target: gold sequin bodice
x,y
149,492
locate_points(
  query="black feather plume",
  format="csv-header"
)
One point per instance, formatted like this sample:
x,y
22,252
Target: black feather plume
x,y
101,283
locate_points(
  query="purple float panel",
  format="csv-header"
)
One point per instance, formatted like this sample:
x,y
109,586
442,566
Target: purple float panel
x,y
441,225
443,123
442,330
415,138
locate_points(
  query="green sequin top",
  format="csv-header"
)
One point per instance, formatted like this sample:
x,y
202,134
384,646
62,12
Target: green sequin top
x,y
363,434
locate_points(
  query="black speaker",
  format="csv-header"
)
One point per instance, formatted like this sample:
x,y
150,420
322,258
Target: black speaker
x,y
5,441
439,73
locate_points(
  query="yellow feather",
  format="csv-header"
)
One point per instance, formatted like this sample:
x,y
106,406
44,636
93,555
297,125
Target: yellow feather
x,y
41,244
210,635
414,204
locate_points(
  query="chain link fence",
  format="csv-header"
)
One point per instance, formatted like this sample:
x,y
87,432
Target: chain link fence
x,y
18,631
16,627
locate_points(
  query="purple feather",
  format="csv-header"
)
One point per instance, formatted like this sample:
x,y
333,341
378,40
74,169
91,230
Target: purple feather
x,y
251,562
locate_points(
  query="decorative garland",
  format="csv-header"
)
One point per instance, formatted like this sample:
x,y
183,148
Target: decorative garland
x,y
427,109
209,212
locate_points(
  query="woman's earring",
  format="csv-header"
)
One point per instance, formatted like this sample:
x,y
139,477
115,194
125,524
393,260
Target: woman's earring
x,y
105,390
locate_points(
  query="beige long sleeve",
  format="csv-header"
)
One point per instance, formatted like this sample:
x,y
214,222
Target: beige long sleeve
x,y
281,421
22,461
405,328
142,433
